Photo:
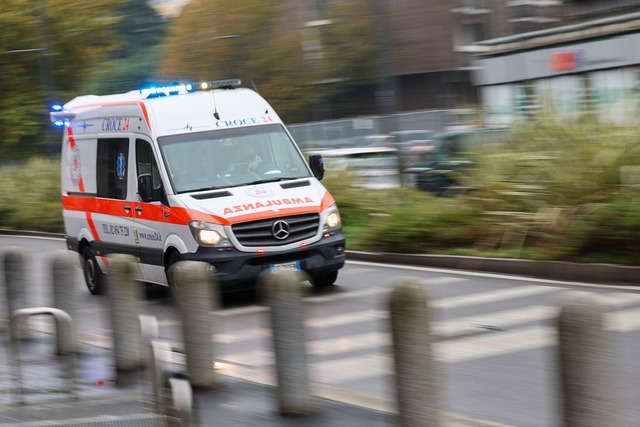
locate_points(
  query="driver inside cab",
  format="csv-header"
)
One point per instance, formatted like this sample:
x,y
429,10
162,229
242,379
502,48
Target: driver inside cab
x,y
243,159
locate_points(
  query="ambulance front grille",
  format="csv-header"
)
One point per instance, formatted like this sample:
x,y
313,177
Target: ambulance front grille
x,y
277,231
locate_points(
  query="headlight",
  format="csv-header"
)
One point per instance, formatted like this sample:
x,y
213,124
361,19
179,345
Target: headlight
x,y
209,234
209,237
332,219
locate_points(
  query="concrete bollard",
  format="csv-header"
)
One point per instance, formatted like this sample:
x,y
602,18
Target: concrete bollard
x,y
64,291
289,342
124,295
417,384
588,380
16,285
196,290
4,304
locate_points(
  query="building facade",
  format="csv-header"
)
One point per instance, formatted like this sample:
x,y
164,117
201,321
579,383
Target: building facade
x,y
586,67
509,56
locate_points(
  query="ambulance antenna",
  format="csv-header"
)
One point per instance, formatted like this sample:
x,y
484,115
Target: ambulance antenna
x,y
215,107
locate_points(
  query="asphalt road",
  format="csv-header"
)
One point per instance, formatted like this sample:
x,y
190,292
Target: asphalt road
x,y
496,341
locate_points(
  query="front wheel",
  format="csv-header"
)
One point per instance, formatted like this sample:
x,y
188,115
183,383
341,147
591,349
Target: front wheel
x,y
93,276
323,280
174,258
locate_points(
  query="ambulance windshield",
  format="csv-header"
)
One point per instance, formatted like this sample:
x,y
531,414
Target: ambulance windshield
x,y
202,161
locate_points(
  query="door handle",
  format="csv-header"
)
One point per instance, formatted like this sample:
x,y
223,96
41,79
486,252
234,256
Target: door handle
x,y
139,209
127,208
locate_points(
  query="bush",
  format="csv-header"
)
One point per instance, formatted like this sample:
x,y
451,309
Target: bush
x,y
30,196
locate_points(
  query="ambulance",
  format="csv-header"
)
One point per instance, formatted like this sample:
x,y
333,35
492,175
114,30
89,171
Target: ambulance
x,y
203,172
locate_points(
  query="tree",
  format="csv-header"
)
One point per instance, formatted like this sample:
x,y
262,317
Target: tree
x,y
211,41
263,43
134,63
48,50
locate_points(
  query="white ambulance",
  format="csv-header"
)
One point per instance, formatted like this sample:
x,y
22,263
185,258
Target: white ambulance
x,y
207,173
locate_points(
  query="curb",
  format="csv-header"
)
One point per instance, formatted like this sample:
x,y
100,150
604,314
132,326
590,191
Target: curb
x,y
606,274
26,233
598,273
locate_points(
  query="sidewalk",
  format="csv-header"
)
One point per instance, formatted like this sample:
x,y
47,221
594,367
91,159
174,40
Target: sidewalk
x,y
103,401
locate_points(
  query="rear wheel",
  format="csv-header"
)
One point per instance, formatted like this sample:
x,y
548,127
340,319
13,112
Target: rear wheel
x,y
93,276
323,280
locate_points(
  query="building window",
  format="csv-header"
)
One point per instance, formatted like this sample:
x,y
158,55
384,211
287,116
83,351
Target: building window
x,y
612,94
499,104
563,95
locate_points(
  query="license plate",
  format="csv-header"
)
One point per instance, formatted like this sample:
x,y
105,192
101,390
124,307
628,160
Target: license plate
x,y
289,266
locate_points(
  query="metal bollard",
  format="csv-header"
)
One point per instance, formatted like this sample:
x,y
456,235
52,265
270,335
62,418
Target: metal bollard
x,y
64,293
16,285
196,290
159,363
181,404
588,379
417,384
289,342
124,295
65,345
172,396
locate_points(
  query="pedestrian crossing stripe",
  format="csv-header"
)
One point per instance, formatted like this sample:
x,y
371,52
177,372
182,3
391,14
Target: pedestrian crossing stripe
x,y
492,296
459,347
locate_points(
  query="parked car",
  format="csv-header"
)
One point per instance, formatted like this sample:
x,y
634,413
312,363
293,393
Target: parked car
x,y
442,172
377,140
413,143
372,167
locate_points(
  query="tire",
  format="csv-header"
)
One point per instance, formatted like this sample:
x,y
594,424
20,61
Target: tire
x,y
324,280
93,276
174,258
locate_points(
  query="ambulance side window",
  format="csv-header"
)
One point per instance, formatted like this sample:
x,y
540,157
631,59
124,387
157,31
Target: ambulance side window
x,y
112,162
146,164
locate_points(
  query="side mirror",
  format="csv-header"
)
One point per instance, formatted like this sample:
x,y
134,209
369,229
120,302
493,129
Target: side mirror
x,y
317,166
145,189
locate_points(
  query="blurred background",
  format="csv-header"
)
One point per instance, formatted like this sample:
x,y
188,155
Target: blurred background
x,y
439,63
524,111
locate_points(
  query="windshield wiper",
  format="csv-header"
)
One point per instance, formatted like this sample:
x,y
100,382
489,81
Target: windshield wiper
x,y
275,179
215,187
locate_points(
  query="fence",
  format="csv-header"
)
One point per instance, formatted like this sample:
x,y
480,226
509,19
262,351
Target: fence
x,y
349,132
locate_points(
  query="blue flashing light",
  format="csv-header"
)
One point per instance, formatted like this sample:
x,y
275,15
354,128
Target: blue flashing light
x,y
176,89
61,123
56,107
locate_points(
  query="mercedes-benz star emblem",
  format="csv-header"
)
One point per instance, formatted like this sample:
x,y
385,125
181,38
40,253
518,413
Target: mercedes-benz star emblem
x,y
280,229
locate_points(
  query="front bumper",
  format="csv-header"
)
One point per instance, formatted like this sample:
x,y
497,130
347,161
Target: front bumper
x,y
235,269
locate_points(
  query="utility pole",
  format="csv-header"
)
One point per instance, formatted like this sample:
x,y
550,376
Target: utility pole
x,y
385,95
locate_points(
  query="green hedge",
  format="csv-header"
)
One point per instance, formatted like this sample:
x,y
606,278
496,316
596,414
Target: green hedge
x,y
30,196
551,191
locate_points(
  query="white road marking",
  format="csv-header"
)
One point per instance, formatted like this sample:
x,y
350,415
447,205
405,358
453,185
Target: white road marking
x,y
346,319
351,369
492,296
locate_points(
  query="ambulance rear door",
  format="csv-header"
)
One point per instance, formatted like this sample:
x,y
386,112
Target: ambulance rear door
x,y
111,220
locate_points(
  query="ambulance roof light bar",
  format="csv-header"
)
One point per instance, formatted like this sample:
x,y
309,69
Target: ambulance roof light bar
x,y
221,84
175,89
178,89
